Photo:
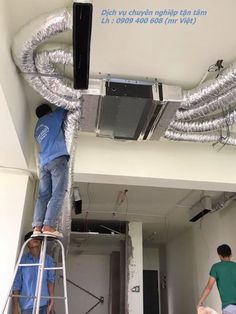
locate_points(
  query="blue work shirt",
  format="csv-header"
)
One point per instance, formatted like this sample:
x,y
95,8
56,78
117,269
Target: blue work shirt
x,y
50,136
26,279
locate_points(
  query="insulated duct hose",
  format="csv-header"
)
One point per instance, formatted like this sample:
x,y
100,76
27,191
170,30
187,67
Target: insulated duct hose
x,y
216,96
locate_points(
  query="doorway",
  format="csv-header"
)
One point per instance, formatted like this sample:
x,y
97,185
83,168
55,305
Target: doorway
x,y
150,292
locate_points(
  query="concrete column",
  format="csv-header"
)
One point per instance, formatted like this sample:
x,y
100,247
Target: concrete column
x,y
134,258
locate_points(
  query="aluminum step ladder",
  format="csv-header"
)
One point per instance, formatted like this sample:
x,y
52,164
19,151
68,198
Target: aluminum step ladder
x,y
37,297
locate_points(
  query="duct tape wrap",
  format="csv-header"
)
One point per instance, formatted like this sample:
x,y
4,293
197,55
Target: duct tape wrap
x,y
39,67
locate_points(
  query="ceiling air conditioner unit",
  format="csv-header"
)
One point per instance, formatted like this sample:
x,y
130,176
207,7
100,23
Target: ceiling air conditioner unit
x,y
129,109
200,209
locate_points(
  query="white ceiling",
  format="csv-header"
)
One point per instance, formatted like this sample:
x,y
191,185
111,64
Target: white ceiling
x,y
164,212
176,54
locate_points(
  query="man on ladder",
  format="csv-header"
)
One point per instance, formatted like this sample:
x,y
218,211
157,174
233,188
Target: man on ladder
x,y
33,287
26,279
53,169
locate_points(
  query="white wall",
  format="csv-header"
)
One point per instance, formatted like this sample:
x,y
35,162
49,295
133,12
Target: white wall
x,y
27,217
180,275
92,273
151,259
12,88
13,191
152,163
190,257
10,148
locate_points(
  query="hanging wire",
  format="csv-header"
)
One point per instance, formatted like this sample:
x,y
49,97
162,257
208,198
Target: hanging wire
x,y
88,196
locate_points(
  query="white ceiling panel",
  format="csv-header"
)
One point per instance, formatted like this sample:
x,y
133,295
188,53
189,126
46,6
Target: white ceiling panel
x,y
176,53
164,212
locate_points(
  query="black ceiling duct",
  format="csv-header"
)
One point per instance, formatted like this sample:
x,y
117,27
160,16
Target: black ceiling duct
x,y
82,26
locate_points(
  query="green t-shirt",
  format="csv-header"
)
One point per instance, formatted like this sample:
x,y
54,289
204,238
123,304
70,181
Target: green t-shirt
x,y
225,276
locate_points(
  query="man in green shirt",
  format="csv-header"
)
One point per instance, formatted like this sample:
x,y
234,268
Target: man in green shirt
x,y
224,274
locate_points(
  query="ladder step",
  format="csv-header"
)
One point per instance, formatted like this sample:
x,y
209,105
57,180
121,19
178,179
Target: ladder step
x,y
26,265
39,264
54,268
35,297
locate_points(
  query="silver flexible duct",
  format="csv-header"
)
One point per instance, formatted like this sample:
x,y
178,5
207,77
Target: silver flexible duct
x,y
210,125
210,89
213,95
203,138
39,69
220,102
25,45
46,62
